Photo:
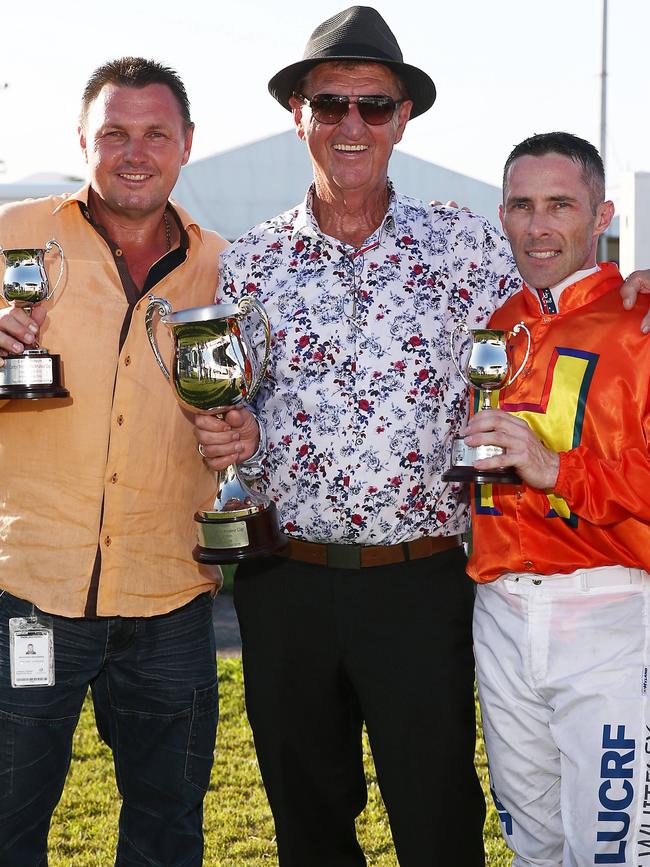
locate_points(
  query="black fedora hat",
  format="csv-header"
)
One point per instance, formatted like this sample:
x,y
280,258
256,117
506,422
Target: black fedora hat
x,y
357,33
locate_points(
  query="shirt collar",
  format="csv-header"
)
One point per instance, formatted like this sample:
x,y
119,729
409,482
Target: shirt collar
x,y
580,288
305,224
568,281
548,297
81,196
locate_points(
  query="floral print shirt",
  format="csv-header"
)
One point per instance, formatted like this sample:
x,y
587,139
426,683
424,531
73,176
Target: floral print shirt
x,y
361,399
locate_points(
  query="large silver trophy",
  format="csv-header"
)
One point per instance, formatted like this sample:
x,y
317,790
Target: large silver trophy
x,y
214,367
34,373
487,368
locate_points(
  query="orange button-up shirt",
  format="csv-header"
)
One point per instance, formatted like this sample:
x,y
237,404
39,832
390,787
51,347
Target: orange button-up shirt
x,y
585,393
116,463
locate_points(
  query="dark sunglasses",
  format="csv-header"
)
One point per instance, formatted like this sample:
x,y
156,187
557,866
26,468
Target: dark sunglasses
x,y
331,108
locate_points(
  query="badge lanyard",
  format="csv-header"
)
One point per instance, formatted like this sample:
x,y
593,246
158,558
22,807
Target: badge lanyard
x,y
31,650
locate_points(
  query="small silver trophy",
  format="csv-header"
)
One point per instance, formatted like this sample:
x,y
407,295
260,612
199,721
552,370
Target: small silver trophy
x,y
487,369
34,373
215,368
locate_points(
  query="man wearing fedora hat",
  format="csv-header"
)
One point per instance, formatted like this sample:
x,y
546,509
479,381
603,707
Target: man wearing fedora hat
x,y
366,615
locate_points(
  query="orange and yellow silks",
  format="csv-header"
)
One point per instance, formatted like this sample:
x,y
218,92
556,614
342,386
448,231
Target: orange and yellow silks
x,y
584,393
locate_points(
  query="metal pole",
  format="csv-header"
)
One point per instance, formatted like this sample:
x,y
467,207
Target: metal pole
x,y
602,243
3,86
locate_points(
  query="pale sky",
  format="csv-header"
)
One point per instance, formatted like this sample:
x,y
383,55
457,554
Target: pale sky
x,y
504,69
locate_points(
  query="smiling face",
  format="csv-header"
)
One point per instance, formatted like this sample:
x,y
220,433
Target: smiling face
x,y
548,216
135,142
350,155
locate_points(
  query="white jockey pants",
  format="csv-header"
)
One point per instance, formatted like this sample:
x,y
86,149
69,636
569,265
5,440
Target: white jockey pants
x,y
562,667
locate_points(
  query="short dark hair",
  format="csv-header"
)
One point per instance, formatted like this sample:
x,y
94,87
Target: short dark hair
x,y
567,145
135,72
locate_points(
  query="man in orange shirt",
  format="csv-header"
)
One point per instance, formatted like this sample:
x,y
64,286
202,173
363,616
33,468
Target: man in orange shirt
x,y
561,621
98,492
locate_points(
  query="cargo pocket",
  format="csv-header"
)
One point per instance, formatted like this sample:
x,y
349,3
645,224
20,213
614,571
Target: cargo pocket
x,y
202,736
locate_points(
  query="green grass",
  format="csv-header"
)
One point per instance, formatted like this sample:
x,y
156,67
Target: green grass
x,y
239,828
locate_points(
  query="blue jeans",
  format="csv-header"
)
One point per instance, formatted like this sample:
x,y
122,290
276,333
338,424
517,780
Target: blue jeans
x,y
154,688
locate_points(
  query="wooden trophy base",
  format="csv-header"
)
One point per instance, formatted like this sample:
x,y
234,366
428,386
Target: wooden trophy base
x,y
506,476
240,537
32,375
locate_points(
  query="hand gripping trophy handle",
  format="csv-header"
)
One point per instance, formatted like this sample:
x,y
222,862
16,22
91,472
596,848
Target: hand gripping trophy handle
x,y
215,368
229,481
34,373
487,369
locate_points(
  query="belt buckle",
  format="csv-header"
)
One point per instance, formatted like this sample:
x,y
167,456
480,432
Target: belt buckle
x,y
344,556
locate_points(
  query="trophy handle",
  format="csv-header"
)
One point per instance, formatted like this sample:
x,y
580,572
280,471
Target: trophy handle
x,y
520,326
460,326
54,243
245,306
164,308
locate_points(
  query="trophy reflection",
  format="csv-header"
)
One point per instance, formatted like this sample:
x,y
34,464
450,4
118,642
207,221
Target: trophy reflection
x,y
487,368
215,368
34,373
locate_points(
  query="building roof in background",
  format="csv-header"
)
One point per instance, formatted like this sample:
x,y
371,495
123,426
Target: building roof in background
x,y
236,189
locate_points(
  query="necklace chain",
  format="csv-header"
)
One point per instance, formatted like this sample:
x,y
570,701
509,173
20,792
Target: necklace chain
x,y
168,231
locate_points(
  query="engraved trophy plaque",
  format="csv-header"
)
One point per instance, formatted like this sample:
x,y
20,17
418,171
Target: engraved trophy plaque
x,y
215,368
34,373
488,368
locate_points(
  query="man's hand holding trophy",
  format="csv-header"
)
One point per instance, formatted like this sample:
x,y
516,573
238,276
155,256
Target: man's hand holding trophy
x,y
33,373
214,368
487,368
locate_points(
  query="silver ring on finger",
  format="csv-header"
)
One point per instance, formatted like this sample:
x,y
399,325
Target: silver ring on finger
x,y
200,450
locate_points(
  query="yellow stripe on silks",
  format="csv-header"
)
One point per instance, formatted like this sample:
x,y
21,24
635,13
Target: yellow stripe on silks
x,y
554,424
486,499
555,427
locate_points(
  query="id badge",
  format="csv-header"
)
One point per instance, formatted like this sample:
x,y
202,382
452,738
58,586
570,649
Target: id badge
x,y
31,651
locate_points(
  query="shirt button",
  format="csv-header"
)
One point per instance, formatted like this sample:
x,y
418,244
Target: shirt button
x,y
114,478
107,541
528,564
118,252
537,581
127,360
546,319
519,494
120,419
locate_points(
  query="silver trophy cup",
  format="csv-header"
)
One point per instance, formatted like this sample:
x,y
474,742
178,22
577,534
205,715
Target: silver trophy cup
x,y
34,373
214,367
487,368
